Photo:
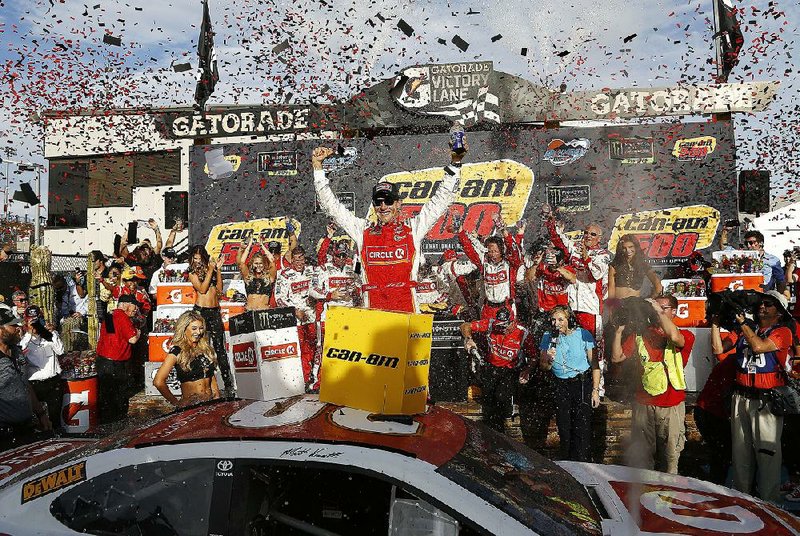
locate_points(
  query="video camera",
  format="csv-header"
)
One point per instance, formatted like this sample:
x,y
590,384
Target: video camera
x,y
728,303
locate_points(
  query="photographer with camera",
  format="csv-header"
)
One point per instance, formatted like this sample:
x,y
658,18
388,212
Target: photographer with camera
x,y
645,331
762,353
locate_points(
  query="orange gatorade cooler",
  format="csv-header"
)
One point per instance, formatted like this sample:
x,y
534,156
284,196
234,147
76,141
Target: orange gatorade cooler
x,y
750,281
691,312
230,309
158,345
79,406
175,293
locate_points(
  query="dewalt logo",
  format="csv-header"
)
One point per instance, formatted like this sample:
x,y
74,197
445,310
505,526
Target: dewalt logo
x,y
355,356
54,481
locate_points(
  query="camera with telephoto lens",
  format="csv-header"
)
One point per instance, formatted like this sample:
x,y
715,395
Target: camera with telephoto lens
x,y
729,303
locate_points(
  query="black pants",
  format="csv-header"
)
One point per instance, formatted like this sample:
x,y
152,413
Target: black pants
x,y
50,391
537,407
497,388
216,333
112,392
574,416
716,433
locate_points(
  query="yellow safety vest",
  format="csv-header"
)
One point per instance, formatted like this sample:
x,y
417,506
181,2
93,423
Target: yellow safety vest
x,y
654,376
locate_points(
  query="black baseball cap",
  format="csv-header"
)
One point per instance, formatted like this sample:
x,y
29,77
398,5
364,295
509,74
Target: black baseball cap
x,y
169,252
274,246
503,315
385,191
128,298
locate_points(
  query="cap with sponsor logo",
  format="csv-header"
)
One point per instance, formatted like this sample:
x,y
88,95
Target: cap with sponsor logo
x,y
133,272
169,252
503,315
450,255
33,312
385,191
274,246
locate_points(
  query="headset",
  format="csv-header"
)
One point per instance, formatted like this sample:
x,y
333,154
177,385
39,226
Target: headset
x,y
572,320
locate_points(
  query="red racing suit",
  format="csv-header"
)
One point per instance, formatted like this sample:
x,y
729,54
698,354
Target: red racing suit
x,y
389,253
292,290
499,279
505,348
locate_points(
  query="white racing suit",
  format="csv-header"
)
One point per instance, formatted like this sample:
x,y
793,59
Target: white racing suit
x,y
292,290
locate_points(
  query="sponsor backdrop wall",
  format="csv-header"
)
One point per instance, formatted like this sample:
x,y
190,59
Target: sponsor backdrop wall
x,y
606,174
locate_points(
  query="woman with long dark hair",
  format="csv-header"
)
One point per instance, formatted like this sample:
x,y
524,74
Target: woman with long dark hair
x,y
41,346
628,270
194,361
258,273
206,278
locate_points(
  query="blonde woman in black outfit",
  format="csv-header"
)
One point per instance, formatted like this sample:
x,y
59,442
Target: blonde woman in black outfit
x,y
194,361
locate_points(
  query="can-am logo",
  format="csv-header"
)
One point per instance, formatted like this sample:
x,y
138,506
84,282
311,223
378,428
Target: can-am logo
x,y
244,356
278,351
694,149
355,356
561,153
387,254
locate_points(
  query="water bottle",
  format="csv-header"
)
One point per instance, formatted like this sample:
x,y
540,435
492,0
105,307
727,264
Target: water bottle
x,y
457,139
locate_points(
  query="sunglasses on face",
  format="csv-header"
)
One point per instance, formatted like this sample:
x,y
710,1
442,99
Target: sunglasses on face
x,y
590,233
21,300
379,202
751,242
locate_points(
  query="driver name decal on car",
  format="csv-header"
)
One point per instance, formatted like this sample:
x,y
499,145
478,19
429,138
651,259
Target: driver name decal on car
x,y
38,487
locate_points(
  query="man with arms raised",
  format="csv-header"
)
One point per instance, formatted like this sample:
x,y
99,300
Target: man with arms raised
x,y
389,249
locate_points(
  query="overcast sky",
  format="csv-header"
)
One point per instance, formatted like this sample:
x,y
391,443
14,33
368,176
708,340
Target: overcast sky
x,y
52,55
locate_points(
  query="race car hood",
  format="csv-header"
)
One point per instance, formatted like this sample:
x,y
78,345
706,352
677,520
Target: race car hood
x,y
636,501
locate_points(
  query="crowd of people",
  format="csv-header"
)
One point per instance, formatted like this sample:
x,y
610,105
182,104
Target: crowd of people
x,y
552,326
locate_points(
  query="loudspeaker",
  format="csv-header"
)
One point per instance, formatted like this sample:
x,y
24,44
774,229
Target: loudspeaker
x,y
754,191
176,206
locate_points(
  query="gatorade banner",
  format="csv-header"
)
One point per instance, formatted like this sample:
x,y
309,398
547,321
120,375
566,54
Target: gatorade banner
x,y
670,235
226,239
377,361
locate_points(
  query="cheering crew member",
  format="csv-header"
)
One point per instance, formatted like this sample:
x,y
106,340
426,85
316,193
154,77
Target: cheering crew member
x,y
552,278
388,248
335,283
591,262
761,358
292,290
498,267
500,371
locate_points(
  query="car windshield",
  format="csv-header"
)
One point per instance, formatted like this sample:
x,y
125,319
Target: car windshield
x,y
522,483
